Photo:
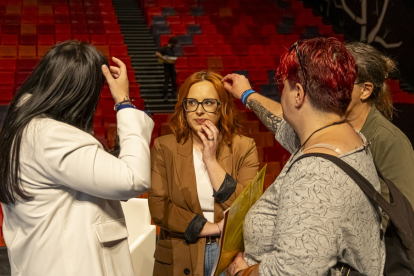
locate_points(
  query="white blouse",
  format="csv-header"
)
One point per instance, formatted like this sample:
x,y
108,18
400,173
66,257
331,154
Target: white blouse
x,y
204,187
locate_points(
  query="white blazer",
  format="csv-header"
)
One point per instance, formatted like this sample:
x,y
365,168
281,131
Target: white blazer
x,y
75,225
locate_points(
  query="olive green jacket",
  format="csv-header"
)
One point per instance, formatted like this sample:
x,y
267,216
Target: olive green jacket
x,y
392,153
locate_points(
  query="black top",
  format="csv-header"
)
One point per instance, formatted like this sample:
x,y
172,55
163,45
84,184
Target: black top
x,y
166,51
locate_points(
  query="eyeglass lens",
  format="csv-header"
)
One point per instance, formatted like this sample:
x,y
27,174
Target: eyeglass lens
x,y
209,105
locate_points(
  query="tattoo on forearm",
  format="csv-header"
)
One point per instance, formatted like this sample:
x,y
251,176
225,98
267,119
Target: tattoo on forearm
x,y
270,120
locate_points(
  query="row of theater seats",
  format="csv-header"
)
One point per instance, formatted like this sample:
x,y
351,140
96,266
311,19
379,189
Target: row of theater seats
x,y
29,28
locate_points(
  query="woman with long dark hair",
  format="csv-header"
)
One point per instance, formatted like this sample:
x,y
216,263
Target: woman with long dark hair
x,y
59,189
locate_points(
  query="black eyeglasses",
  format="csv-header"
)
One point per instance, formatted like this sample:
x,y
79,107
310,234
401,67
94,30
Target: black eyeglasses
x,y
209,105
296,46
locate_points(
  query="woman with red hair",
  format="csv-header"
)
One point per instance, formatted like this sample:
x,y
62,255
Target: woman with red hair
x,y
314,219
197,173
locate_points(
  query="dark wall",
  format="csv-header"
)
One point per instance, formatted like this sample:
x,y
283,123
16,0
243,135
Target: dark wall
x,y
397,26
404,119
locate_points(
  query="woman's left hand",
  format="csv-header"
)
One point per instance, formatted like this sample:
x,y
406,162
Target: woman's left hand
x,y
210,138
237,265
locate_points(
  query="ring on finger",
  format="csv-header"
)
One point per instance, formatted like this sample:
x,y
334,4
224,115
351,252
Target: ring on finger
x,y
210,139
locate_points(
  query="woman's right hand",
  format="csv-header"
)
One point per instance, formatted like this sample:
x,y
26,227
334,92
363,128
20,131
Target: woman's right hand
x,y
117,79
236,84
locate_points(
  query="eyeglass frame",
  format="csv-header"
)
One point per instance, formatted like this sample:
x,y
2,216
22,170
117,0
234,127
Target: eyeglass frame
x,y
198,104
296,46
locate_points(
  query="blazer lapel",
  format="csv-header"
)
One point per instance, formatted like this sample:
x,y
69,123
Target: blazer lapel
x,y
184,165
224,158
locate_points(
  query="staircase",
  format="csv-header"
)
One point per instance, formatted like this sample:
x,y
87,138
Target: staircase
x,y
141,48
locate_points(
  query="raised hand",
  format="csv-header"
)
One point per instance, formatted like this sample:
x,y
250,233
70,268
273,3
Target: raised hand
x,y
117,80
210,137
236,84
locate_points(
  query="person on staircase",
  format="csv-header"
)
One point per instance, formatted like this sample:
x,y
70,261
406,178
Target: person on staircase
x,y
166,56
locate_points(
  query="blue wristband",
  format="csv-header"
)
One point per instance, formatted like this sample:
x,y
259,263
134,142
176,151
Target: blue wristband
x,y
245,95
125,106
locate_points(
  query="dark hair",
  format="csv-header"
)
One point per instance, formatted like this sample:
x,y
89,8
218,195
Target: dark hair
x,y
330,72
64,86
229,125
374,67
173,40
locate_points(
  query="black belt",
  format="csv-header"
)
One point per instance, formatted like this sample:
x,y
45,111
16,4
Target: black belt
x,y
211,239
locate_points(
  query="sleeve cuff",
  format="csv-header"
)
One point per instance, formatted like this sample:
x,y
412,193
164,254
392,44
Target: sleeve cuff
x,y
227,188
194,228
124,106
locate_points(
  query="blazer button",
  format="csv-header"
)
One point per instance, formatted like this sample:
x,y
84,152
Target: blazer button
x,y
186,271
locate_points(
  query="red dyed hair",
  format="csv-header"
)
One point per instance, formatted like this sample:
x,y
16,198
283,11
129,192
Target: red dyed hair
x,y
228,124
330,72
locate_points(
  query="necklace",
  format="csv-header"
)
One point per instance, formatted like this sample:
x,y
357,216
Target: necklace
x,y
333,124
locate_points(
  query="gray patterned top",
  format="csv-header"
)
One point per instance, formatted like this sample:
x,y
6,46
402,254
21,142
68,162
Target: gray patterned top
x,y
314,216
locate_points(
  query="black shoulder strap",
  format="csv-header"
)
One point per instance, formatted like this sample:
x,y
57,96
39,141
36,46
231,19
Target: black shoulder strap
x,y
361,181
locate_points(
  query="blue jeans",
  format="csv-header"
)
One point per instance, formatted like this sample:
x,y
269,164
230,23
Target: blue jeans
x,y
209,258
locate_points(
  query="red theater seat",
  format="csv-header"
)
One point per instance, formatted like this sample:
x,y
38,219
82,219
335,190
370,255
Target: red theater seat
x,y
178,29
7,64
197,63
21,77
27,51
8,51
188,20
6,94
240,50
119,50
98,39
115,39
81,37
216,39
231,62
248,62
9,39
43,49
263,139
256,50
10,29
181,63
27,39
200,39
26,64
112,29
258,76
45,29
250,126
190,51
215,63
104,49
7,78
174,19
208,29
202,20
45,39
63,28
223,50
276,154
62,37
96,29
207,50
63,10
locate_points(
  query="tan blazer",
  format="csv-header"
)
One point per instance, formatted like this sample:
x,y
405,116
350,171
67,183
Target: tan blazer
x,y
173,199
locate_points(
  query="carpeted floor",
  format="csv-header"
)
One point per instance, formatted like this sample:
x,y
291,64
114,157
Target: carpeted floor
x,y
4,262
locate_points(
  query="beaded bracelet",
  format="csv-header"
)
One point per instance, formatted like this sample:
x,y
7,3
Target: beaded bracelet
x,y
245,95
